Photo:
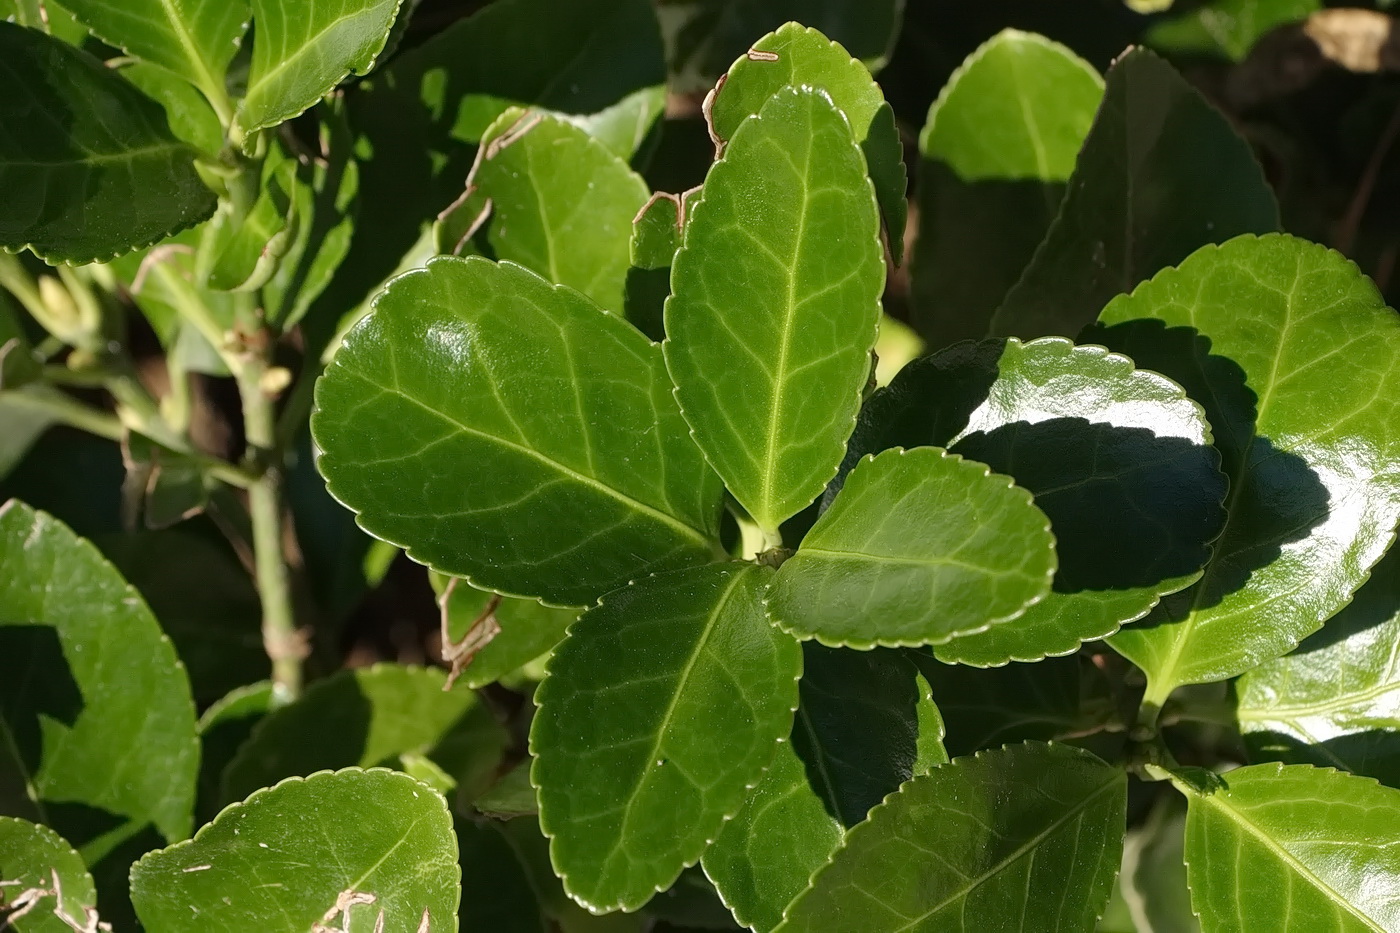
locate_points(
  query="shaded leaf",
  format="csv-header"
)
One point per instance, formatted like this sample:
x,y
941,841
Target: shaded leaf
x,y
325,839
1153,880
496,891
1253,330
528,630
919,547
1226,28
508,476
1162,173
997,148
775,304
35,862
1027,837
664,703
88,166
223,729
187,111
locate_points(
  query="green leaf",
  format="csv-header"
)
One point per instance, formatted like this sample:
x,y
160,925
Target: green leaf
x,y
102,717
996,151
88,167
1117,457
1336,700
301,52
866,724
921,546
223,728
342,849
1028,834
805,57
1255,330
555,200
186,110
1161,173
496,479
35,862
1270,847
663,705
528,629
1153,880
656,232
195,40
240,251
369,716
775,304
1226,28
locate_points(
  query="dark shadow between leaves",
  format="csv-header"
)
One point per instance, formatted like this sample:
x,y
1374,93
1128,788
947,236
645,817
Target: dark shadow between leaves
x,y
38,685
1374,753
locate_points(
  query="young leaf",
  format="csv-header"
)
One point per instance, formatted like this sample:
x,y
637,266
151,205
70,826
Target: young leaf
x,y
499,479
1118,458
528,630
1254,330
343,849
240,253
555,200
920,547
1335,701
775,303
798,56
301,52
195,40
1226,28
999,145
663,705
88,167
187,111
35,864
369,716
1025,837
100,714
1161,173
1274,847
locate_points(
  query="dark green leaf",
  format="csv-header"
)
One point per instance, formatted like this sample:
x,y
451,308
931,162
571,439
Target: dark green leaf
x,y
528,630
1153,880
1274,847
99,729
496,892
805,57
1024,838
999,145
511,796
664,703
239,252
1161,173
35,863
775,304
656,232
88,167
1226,28
223,729
1294,355
20,427
919,548
346,849
498,479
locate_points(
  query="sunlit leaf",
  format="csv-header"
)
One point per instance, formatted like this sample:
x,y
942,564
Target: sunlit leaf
x,y
35,864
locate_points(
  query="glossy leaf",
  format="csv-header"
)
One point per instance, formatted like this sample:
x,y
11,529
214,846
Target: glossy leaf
x,y
1253,330
1335,701
1162,173
996,151
1226,28
796,56
102,716
367,717
775,304
554,200
1117,457
664,704
88,166
195,40
1027,837
32,859
528,630
301,52
919,548
344,848
497,479
1270,847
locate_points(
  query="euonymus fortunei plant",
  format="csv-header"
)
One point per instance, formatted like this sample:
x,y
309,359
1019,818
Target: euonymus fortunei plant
x,y
808,556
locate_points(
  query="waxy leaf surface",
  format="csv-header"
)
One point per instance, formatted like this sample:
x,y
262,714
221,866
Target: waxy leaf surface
x,y
999,145
342,849
803,56
1273,847
1296,359
88,166
660,709
919,547
31,857
428,433
1025,838
99,713
775,304
1118,458
1161,173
